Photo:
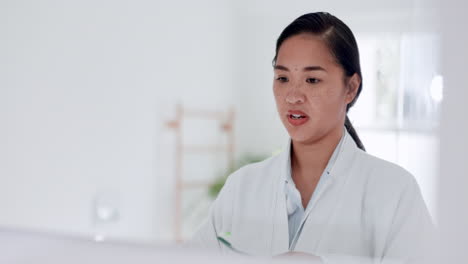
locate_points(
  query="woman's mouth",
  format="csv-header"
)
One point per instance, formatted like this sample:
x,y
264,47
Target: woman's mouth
x,y
297,118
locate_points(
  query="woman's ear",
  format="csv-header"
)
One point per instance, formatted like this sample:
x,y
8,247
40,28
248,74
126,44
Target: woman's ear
x,y
352,87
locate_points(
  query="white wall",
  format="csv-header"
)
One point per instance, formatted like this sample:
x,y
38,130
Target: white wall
x,y
85,87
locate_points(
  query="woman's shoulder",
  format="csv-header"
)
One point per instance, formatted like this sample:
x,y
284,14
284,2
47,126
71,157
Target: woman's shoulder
x,y
261,171
379,172
255,179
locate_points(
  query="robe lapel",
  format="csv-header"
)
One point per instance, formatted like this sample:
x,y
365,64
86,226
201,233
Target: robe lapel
x,y
320,213
280,231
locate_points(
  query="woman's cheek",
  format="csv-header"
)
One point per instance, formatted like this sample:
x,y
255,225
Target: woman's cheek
x,y
317,92
276,91
280,97
279,100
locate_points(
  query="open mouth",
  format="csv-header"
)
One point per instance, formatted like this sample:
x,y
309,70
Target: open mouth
x,y
297,118
294,116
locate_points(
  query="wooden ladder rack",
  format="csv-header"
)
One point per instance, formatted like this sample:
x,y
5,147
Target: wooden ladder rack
x,y
226,121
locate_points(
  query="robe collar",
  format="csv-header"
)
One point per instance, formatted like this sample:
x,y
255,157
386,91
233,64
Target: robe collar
x,y
342,154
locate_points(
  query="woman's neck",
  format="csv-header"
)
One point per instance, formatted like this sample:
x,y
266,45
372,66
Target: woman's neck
x,y
310,159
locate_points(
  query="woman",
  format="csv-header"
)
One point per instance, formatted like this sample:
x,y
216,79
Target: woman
x,y
323,196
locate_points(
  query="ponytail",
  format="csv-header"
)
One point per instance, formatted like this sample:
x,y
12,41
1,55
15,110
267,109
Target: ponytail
x,y
353,133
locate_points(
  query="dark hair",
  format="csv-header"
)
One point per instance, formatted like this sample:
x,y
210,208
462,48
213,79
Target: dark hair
x,y
340,40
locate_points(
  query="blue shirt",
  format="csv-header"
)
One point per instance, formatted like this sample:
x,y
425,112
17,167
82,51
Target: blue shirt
x,y
296,211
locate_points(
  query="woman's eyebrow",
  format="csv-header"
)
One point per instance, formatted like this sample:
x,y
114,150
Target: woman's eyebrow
x,y
314,68
308,68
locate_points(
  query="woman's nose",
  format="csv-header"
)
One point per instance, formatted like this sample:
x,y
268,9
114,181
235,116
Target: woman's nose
x,y
295,97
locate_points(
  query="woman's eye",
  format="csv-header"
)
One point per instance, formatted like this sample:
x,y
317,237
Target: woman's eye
x,y
282,79
312,80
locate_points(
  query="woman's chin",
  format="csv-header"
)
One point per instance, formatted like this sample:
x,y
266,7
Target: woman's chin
x,y
306,136
300,137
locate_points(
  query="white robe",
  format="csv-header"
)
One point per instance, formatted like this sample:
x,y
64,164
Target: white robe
x,y
369,210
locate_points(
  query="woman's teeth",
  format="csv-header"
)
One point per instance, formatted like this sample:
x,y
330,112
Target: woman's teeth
x,y
296,116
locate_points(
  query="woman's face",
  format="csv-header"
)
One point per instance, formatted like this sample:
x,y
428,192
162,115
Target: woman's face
x,y
310,89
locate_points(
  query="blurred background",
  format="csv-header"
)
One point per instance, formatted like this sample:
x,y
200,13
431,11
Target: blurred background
x,y
121,119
